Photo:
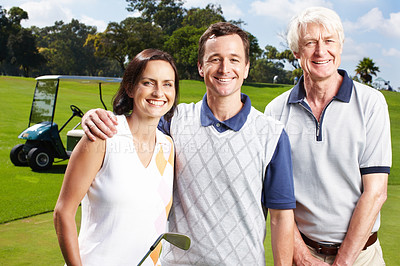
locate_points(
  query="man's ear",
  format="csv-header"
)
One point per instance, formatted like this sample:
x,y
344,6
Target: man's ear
x,y
200,69
246,74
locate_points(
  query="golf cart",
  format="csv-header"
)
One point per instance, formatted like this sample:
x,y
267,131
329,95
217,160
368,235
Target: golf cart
x,y
43,140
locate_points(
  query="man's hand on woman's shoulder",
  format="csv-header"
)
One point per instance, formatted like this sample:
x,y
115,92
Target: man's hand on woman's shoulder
x,y
99,123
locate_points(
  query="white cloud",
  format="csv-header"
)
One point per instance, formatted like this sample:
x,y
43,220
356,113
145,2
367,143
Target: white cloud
x,y
354,51
100,24
230,9
195,3
392,52
375,21
284,10
364,2
46,12
386,59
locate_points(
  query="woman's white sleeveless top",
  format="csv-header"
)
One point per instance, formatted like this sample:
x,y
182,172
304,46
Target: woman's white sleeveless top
x,y
127,205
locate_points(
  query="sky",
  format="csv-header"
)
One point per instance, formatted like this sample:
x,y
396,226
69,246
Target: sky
x,y
372,27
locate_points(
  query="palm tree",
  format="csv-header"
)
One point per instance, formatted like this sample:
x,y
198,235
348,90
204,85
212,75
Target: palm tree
x,y
365,69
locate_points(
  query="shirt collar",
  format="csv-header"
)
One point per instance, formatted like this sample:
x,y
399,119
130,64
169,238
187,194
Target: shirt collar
x,y
298,92
235,123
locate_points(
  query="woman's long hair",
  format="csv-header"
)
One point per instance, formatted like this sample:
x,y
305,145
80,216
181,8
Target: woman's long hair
x,y
122,103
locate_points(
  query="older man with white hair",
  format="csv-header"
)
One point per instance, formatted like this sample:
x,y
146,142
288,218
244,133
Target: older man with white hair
x,y
339,131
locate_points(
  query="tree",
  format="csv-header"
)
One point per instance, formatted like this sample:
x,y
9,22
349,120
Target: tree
x,y
147,8
365,69
122,41
18,50
264,70
63,47
296,74
183,46
15,15
255,51
203,17
4,33
168,14
24,53
288,56
271,52
140,35
111,43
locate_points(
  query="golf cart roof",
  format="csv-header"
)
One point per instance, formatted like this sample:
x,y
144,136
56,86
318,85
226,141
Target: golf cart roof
x,y
82,79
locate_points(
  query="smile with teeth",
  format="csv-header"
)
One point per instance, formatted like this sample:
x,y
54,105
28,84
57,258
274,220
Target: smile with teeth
x,y
224,79
321,62
156,102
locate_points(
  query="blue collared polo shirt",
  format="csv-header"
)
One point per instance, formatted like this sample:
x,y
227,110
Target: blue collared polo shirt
x,y
235,123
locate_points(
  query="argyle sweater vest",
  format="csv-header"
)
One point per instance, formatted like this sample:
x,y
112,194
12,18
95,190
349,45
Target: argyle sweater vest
x,y
218,187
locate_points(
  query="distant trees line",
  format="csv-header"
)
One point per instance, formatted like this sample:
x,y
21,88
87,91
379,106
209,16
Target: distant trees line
x,y
78,49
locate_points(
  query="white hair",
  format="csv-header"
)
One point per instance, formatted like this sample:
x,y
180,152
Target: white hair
x,y
326,17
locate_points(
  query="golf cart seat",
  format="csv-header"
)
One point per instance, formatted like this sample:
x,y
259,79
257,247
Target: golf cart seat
x,y
73,136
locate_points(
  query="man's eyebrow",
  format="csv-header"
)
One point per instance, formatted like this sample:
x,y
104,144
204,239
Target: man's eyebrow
x,y
218,54
327,36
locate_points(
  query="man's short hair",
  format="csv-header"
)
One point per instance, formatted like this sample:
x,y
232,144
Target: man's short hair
x,y
326,17
222,29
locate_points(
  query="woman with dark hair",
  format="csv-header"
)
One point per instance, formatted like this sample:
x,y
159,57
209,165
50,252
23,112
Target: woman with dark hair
x,y
125,182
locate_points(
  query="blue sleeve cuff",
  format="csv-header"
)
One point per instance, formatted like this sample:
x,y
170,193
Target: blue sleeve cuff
x,y
375,170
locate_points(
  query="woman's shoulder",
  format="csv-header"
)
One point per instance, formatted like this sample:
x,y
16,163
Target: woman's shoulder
x,y
122,127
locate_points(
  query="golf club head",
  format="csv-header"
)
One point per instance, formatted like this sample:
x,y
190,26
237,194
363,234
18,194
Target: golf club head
x,y
178,240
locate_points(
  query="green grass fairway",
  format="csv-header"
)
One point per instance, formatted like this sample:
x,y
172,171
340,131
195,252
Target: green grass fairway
x,y
25,194
32,241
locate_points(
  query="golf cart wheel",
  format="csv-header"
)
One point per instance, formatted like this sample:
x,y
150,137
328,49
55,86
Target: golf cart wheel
x,y
39,159
18,156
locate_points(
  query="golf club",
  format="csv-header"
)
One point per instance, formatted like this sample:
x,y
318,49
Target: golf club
x,y
178,240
